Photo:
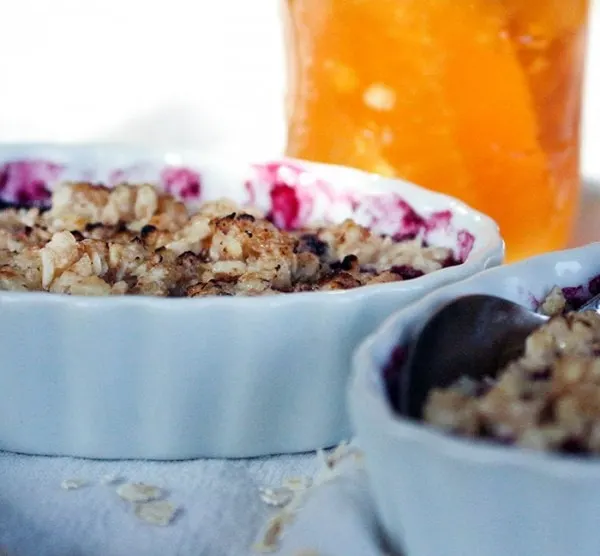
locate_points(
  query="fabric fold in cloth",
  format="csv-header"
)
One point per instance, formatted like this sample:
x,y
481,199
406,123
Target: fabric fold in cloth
x,y
337,519
219,507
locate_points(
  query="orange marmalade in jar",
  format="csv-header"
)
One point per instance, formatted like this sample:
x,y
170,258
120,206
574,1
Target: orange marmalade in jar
x,y
480,99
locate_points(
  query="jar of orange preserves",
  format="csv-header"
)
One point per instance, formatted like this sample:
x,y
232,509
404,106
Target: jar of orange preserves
x,y
480,99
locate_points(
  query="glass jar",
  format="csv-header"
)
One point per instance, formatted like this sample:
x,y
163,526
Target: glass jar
x,y
480,99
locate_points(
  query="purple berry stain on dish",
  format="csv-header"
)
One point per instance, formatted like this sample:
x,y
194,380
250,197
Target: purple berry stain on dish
x,y
412,223
439,220
28,182
466,241
115,177
285,207
290,189
183,183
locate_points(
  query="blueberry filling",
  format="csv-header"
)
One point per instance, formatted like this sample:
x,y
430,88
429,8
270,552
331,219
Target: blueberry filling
x,y
542,375
407,236
574,446
407,272
312,244
347,263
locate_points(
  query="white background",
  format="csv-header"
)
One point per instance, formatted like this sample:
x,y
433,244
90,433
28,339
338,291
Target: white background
x,y
201,73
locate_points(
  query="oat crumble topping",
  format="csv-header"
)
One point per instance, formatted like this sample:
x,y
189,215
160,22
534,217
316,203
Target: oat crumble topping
x,y
548,399
133,239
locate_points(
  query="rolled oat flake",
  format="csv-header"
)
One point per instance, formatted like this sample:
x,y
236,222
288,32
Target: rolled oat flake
x,y
138,492
156,512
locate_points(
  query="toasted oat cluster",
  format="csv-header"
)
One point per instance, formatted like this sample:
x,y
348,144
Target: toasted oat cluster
x,y
549,399
133,239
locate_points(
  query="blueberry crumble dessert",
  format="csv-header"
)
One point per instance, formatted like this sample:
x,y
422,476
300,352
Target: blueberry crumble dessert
x,y
134,239
548,399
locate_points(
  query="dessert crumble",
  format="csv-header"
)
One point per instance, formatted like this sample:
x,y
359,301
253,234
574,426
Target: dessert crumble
x,y
548,399
133,239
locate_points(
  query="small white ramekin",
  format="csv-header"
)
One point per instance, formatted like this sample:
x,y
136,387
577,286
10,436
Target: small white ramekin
x,y
441,495
142,377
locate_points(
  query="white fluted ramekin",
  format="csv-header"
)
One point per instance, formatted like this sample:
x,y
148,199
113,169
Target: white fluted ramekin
x,y
442,495
142,377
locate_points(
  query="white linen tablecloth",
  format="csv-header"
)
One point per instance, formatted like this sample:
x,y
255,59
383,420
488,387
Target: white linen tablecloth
x,y
221,512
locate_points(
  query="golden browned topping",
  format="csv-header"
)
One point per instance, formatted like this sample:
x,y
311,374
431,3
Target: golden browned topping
x,y
548,399
132,239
